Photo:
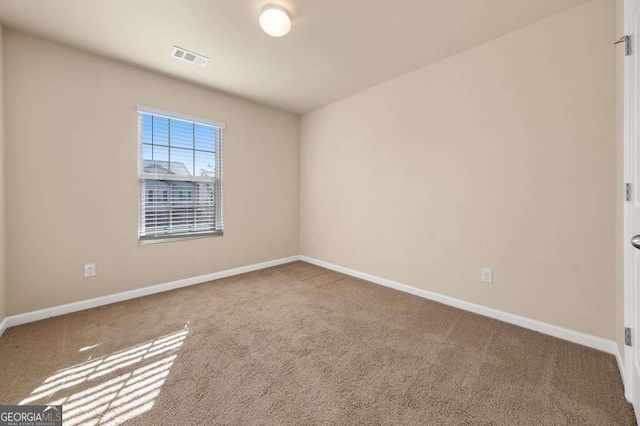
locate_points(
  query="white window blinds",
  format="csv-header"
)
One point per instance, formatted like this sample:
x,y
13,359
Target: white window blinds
x,y
180,175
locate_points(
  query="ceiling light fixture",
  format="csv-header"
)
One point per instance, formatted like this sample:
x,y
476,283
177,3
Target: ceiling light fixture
x,y
275,20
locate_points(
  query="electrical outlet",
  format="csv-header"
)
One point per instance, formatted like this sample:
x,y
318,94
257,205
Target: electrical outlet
x,y
90,270
486,275
313,241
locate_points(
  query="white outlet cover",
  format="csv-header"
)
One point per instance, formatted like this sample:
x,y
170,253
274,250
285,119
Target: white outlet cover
x,y
486,275
90,270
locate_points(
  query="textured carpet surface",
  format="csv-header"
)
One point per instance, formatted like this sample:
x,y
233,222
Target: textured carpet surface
x,y
301,345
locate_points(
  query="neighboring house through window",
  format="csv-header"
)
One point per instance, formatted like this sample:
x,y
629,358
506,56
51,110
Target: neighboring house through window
x,y
180,172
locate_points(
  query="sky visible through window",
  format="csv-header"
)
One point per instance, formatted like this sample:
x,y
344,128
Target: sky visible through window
x,y
190,147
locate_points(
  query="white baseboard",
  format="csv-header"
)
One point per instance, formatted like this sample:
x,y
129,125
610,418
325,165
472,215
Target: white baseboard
x,y
145,291
620,364
588,340
595,342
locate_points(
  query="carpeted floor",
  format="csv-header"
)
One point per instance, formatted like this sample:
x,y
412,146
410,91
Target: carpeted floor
x,y
300,345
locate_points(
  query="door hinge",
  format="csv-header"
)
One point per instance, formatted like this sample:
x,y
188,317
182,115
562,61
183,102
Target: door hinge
x,y
627,191
627,336
627,44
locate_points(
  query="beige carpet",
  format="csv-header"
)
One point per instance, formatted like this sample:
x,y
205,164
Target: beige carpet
x,y
300,345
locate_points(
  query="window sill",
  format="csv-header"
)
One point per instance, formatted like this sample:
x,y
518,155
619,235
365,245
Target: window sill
x,y
180,237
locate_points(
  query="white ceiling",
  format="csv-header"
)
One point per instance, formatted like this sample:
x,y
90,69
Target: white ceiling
x,y
336,47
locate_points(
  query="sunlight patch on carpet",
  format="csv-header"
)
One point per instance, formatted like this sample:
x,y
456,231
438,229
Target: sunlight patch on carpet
x,y
122,385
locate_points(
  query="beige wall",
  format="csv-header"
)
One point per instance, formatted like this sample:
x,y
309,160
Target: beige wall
x,y
619,304
72,193
502,156
3,274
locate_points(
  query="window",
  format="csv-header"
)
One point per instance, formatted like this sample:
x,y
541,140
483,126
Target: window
x,y
180,174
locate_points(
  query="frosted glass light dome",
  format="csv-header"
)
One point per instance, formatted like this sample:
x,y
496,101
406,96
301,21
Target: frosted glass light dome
x,y
275,21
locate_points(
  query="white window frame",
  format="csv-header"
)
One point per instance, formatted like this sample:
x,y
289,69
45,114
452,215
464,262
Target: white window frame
x,y
219,155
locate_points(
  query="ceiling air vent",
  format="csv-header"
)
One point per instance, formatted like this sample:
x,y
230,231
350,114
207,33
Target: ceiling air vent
x,y
185,55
